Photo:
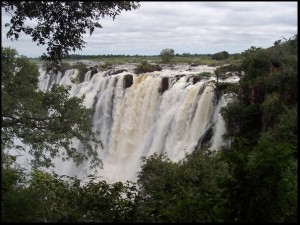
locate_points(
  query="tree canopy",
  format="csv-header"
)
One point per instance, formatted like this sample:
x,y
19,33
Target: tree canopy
x,y
47,121
220,55
167,55
44,121
60,24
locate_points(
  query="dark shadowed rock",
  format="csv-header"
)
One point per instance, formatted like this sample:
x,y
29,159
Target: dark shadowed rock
x,y
114,72
195,80
93,71
194,64
82,75
127,81
164,85
179,76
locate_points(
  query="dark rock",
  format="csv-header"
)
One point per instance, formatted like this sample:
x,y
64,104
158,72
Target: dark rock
x,y
114,72
127,81
205,138
194,64
82,75
93,71
164,85
195,80
179,76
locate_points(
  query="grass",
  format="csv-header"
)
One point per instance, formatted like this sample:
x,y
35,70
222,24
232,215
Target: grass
x,y
107,62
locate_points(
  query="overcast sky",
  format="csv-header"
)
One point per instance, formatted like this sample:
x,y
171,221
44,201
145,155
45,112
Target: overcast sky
x,y
186,27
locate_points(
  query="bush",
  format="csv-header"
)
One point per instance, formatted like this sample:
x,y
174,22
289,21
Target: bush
x,y
64,67
146,67
107,65
204,74
220,55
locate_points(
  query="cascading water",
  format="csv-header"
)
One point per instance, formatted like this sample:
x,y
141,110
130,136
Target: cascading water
x,y
138,115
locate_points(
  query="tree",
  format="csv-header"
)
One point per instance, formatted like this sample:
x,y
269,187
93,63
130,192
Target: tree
x,y
47,121
145,67
220,55
60,24
167,55
45,197
262,122
44,121
187,191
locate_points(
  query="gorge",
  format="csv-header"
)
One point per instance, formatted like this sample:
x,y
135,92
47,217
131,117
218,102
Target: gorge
x,y
170,111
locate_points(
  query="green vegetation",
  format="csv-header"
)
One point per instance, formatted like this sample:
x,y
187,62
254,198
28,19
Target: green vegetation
x,y
262,126
108,61
145,67
58,26
167,55
204,74
253,179
44,121
220,55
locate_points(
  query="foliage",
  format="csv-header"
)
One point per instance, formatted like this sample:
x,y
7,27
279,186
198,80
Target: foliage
x,y
110,60
264,84
167,55
107,65
226,70
60,25
14,204
145,67
263,178
220,55
262,124
253,179
181,192
204,74
61,199
44,121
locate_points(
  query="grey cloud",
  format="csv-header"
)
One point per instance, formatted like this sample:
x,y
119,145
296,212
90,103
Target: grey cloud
x,y
195,27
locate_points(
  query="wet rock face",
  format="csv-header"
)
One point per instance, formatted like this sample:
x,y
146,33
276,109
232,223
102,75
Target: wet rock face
x,y
82,75
114,72
195,80
93,71
127,81
164,85
179,76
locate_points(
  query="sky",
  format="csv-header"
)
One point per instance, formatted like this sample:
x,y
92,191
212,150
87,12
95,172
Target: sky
x,y
187,27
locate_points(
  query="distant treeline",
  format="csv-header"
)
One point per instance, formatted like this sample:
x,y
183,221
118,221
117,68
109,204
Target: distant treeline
x,y
76,56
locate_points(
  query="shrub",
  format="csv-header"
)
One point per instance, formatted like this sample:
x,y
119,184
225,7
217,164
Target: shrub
x,y
204,74
220,55
146,67
107,65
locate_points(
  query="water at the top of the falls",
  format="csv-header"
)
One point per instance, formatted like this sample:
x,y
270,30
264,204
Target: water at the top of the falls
x,y
143,118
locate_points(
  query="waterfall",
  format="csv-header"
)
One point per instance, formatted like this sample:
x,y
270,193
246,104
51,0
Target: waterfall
x,y
160,112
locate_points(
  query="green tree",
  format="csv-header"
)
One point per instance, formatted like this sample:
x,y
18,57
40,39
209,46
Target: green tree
x,y
187,191
45,197
145,67
17,205
44,121
220,55
60,24
262,124
262,186
167,55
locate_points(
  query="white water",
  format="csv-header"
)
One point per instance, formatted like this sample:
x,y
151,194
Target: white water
x,y
139,120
